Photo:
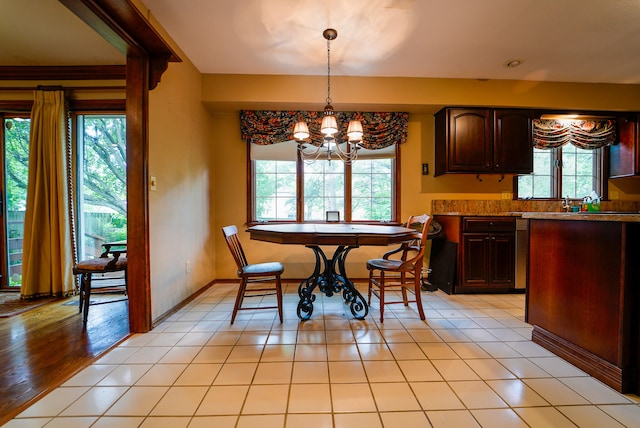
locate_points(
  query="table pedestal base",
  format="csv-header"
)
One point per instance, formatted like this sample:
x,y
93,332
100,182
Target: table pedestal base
x,y
330,279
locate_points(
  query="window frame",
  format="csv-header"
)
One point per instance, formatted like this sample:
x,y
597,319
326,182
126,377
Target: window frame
x,y
395,192
601,168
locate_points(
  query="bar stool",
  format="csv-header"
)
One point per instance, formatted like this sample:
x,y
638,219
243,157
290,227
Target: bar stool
x,y
109,261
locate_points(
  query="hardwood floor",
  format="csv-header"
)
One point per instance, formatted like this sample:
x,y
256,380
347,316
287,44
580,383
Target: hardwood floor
x,y
42,348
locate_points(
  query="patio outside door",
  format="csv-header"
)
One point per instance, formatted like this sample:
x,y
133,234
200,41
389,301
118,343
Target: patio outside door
x,y
13,191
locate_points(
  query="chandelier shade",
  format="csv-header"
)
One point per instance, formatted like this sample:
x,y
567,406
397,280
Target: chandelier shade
x,y
329,125
301,131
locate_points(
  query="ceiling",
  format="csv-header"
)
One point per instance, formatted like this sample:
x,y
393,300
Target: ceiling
x,y
566,41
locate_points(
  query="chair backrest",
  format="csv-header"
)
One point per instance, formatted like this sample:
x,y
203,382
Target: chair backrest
x,y
233,242
421,223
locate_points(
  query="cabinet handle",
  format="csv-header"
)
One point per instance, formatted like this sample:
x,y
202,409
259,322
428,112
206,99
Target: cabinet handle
x,y
488,165
497,166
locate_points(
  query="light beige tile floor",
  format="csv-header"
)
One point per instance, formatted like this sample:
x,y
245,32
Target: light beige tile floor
x,y
470,364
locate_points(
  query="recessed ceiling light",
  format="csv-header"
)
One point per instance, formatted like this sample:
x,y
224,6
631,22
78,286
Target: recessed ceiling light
x,y
514,62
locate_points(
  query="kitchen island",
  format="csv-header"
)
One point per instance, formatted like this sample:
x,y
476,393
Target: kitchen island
x,y
583,296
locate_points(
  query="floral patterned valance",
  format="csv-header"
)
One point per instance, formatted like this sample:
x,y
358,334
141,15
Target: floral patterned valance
x,y
270,127
584,134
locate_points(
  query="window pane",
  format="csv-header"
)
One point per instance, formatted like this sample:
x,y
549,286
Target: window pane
x,y
323,189
578,172
275,188
538,184
372,190
103,186
16,143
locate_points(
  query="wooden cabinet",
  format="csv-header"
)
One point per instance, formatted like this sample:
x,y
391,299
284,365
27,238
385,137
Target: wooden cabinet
x,y
624,157
513,141
483,140
583,296
487,254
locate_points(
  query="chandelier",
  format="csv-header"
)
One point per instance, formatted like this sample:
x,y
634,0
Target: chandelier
x,y
346,151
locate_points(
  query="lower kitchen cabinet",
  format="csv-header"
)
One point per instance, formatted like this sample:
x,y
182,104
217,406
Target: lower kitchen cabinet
x,y
486,256
488,261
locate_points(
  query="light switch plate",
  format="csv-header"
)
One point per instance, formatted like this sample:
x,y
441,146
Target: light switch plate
x,y
152,182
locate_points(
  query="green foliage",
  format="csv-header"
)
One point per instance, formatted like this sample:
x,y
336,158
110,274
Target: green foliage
x,y
16,163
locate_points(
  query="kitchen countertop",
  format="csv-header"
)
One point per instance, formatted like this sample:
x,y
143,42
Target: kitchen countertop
x,y
465,214
628,217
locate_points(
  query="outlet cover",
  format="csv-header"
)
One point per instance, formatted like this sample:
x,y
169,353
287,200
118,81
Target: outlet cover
x,y
506,195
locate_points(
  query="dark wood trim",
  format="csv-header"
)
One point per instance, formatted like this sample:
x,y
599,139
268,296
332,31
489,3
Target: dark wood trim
x,y
616,377
125,28
395,215
137,197
63,72
24,106
98,105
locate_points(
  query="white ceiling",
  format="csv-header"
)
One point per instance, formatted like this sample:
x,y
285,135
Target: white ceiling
x,y
558,40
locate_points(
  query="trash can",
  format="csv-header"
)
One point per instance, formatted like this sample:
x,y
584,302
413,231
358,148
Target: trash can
x,y
442,261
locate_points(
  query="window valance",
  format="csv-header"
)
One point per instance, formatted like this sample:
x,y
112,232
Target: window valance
x,y
381,129
584,134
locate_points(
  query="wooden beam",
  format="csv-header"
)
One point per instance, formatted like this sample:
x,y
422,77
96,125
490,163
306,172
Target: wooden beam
x,y
125,28
137,103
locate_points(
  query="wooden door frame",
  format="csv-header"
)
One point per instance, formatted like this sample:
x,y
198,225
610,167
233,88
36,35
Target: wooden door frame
x,y
148,55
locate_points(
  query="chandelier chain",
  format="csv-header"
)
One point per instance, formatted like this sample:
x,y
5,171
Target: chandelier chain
x,y
328,71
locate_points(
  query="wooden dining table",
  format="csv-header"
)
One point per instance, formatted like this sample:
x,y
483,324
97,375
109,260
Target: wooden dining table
x,y
329,274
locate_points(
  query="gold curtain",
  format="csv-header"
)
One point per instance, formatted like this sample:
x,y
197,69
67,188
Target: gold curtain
x,y
47,253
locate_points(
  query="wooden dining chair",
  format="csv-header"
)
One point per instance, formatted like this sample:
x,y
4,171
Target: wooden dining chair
x,y
251,274
109,261
401,272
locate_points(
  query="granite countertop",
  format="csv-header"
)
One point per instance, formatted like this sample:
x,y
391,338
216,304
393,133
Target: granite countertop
x,y
627,217
468,214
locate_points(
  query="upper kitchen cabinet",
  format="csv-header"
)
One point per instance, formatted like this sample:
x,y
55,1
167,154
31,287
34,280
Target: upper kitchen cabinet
x,y
483,140
625,156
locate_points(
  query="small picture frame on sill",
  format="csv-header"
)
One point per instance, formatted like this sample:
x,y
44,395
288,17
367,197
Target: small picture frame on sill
x,y
333,216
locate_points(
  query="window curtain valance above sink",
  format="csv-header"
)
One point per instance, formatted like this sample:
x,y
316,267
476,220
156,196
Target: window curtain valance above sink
x,y
381,129
584,134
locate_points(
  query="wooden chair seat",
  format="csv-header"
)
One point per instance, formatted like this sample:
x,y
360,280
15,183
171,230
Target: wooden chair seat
x,y
252,274
87,268
403,273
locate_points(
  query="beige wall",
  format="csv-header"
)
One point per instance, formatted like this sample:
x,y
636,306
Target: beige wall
x,y
182,208
226,95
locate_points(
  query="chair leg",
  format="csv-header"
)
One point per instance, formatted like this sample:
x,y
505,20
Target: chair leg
x,y
239,298
417,286
403,279
279,296
85,296
370,285
381,286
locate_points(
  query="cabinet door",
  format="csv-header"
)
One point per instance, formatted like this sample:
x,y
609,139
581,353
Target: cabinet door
x,y
475,260
513,141
503,250
624,157
469,140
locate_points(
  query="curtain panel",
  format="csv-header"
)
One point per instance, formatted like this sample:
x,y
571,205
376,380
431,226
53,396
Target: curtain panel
x,y
584,134
381,129
47,250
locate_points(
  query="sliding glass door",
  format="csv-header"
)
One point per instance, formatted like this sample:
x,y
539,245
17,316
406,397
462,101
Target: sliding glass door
x,y
102,182
15,160
100,193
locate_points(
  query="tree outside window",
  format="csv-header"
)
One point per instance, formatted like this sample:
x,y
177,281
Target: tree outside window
x,y
362,191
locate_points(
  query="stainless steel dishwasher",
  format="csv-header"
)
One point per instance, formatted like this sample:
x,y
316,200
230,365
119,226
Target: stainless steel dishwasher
x,y
522,247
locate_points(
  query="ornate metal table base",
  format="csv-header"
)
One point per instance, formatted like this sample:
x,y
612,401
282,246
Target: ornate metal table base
x,y
332,279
